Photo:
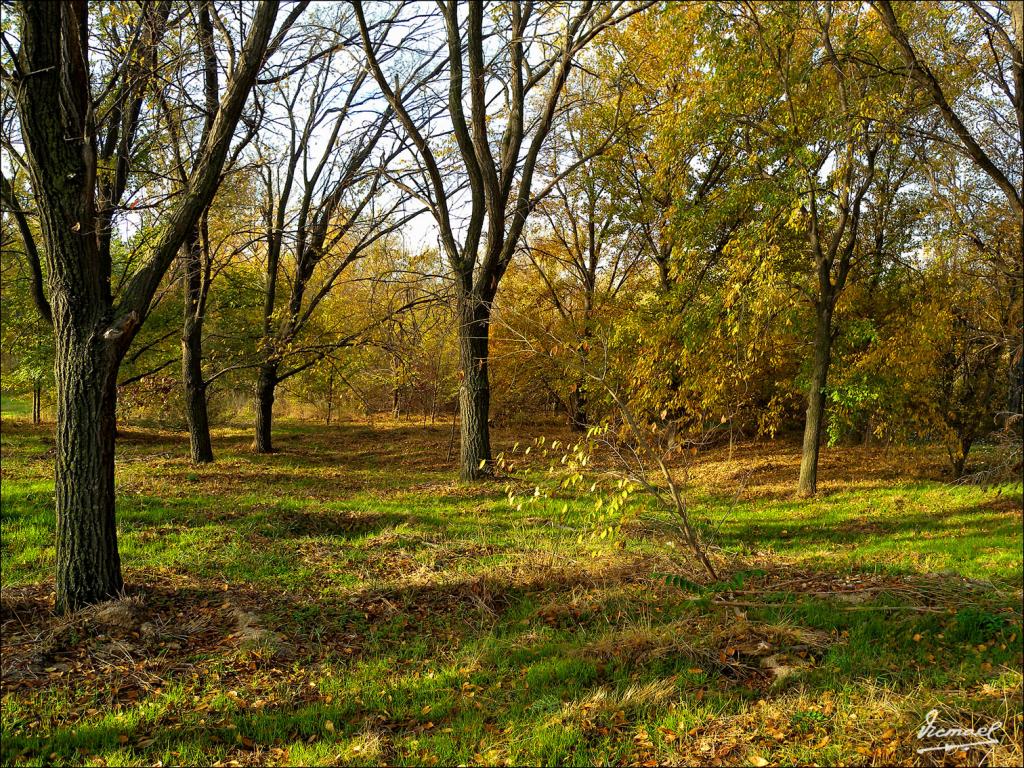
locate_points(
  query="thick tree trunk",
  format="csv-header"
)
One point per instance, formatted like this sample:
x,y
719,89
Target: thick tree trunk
x,y
57,120
194,386
88,564
266,383
475,392
816,402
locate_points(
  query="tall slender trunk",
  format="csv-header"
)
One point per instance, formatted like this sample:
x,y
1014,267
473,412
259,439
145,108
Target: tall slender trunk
x,y
196,413
37,395
88,564
816,400
330,395
266,383
578,417
475,392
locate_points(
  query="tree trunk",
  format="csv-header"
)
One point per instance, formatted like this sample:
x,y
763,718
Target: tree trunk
x,y
56,114
816,401
37,394
578,419
960,458
330,396
195,399
475,392
869,429
88,564
578,408
663,258
192,355
1016,382
265,386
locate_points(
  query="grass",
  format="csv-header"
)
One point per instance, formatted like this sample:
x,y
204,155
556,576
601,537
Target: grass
x,y
345,601
14,406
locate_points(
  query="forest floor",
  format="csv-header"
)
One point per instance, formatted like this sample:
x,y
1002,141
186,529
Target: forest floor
x,y
346,601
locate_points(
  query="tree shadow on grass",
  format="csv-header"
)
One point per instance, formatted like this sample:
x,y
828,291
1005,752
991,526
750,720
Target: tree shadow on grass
x,y
283,724
498,620
296,523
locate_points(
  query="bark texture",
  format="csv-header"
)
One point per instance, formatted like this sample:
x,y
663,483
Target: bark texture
x,y
88,564
193,384
266,384
475,392
815,420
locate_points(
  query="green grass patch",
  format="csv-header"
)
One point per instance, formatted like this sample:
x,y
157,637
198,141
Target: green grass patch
x,y
346,601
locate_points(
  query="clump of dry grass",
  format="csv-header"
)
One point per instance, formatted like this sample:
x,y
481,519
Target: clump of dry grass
x,y
366,748
641,643
607,702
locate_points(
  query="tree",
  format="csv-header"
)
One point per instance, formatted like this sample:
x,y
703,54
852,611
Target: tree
x,y
183,145
584,250
323,211
1000,75
818,123
519,58
79,124
679,192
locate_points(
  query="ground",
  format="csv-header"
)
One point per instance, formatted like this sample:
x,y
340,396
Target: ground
x,y
346,601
